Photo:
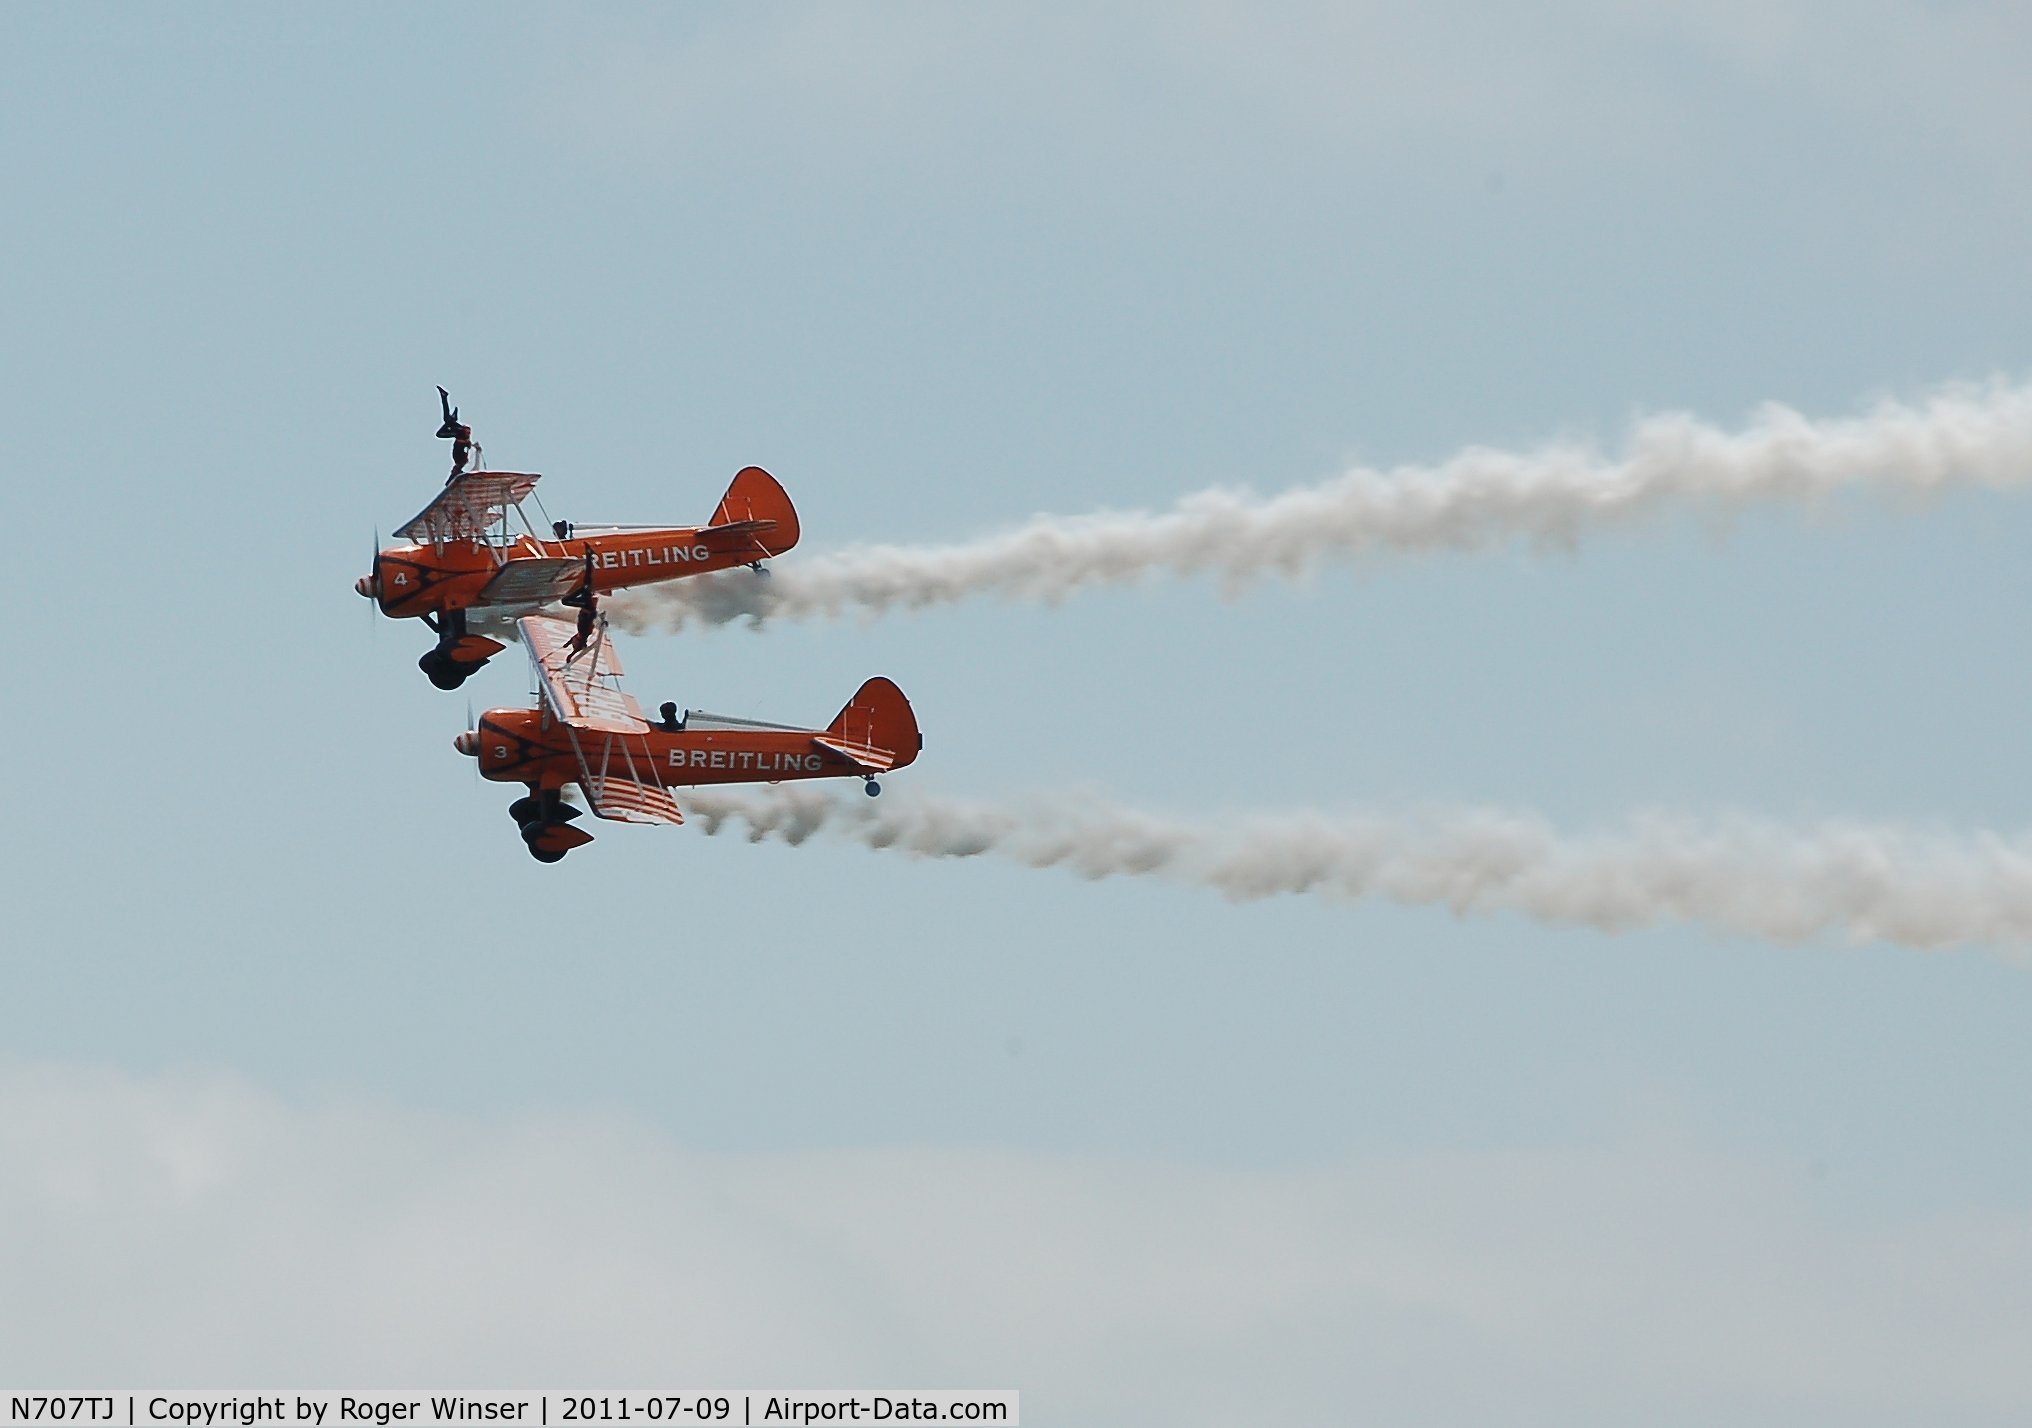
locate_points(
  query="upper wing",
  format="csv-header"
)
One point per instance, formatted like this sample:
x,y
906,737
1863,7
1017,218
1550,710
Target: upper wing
x,y
580,687
469,506
533,580
604,723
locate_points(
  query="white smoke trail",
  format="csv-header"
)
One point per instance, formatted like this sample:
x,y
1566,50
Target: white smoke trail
x,y
1479,498
1857,882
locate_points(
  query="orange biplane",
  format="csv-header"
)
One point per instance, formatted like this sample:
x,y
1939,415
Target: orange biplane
x,y
586,730
464,559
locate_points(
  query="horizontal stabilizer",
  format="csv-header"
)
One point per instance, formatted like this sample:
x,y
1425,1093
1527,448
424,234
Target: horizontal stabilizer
x,y
862,757
739,528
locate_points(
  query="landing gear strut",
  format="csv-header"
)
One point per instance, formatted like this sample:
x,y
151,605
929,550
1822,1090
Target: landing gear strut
x,y
441,665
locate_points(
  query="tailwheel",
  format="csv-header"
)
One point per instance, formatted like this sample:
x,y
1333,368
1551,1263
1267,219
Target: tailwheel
x,y
872,788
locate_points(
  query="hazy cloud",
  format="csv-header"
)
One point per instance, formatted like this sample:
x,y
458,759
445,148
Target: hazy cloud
x,y
188,1231
1564,84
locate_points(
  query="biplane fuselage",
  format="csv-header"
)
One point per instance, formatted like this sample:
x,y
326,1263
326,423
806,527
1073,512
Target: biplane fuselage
x,y
411,581
528,746
586,730
463,556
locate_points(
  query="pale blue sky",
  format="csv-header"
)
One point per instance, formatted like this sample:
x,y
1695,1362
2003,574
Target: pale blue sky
x,y
940,269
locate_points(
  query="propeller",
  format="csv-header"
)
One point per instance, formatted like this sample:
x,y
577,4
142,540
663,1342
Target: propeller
x,y
370,584
468,743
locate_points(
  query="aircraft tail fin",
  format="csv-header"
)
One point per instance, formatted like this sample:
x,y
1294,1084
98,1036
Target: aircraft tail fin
x,y
757,506
879,717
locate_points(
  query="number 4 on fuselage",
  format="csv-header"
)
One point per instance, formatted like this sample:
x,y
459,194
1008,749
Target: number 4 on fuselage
x,y
464,556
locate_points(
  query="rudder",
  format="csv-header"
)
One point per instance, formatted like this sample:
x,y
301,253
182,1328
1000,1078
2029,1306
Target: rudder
x,y
755,495
880,717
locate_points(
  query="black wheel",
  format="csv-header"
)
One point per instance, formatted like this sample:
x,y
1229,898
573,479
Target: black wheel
x,y
548,855
872,788
532,830
441,670
524,810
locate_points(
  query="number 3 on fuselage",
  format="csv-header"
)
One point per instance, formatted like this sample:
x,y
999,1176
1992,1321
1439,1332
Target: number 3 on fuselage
x,y
586,729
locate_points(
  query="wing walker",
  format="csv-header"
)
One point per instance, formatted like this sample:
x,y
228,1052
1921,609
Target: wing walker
x,y
473,557
585,729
